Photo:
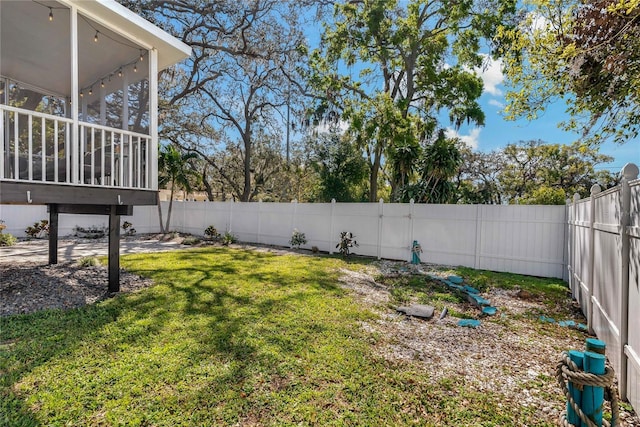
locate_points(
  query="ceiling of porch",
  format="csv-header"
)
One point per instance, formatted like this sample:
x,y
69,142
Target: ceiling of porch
x,y
37,50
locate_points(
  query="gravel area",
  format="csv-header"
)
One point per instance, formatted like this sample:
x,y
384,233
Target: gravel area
x,y
495,356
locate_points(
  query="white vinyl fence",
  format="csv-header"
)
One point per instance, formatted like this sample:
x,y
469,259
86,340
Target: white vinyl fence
x,y
518,239
604,273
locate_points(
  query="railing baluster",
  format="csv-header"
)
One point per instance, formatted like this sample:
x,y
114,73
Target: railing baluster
x,y
121,161
82,131
93,178
130,177
55,151
16,143
102,150
30,148
138,164
43,140
67,152
113,155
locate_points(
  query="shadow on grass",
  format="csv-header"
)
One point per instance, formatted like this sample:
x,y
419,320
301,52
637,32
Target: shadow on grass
x,y
208,306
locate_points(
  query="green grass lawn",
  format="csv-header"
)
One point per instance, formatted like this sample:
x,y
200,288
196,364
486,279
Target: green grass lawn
x,y
226,337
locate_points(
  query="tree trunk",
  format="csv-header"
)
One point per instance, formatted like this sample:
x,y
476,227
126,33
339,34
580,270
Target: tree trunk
x,y
373,178
160,213
246,193
166,228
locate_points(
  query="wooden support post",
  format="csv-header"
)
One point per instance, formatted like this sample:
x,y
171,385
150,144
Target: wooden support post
x,y
575,392
53,234
114,250
592,396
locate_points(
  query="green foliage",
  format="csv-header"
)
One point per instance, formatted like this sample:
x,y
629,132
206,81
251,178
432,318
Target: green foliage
x,y
546,196
174,172
6,239
228,238
128,228
211,232
581,53
392,105
93,232
191,240
297,239
38,230
340,166
347,241
89,261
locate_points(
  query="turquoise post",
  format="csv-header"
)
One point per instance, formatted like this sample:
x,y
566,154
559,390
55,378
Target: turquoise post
x,y
593,397
595,345
575,392
415,250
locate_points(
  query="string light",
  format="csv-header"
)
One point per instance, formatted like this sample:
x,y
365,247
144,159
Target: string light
x,y
120,72
91,91
135,68
50,14
102,83
141,55
95,38
81,94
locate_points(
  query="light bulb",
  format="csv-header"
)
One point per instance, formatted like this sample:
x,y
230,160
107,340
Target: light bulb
x,y
91,91
120,72
135,68
81,94
50,14
95,38
141,55
102,83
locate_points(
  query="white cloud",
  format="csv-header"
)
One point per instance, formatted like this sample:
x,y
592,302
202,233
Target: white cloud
x,y
491,75
471,139
496,103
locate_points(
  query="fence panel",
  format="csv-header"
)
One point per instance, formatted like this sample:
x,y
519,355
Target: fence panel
x,y
581,253
632,350
314,220
607,273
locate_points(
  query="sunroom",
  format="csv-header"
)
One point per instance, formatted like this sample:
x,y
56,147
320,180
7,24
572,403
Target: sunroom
x,y
78,102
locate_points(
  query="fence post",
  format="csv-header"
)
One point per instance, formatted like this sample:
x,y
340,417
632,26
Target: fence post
x,y
629,173
259,222
478,245
569,248
380,218
333,207
411,214
595,189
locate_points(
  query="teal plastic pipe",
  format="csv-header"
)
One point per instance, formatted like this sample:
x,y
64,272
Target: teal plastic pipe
x,y
593,397
575,392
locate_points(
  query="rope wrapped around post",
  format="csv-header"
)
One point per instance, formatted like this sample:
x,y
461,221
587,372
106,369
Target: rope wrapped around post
x,y
567,371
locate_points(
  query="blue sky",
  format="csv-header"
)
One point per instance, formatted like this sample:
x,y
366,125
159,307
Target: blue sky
x,y
498,132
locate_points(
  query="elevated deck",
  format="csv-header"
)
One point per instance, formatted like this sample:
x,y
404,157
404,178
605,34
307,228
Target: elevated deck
x,y
40,164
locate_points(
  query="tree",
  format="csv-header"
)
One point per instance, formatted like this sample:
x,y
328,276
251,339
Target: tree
x,y
411,61
340,167
532,165
231,89
583,53
174,173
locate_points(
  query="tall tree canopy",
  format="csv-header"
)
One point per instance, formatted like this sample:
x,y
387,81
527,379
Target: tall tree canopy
x,y
392,67
227,97
585,53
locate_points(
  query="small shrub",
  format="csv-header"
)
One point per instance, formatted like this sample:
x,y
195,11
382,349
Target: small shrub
x,y
92,232
38,230
211,232
6,239
229,238
128,228
347,241
297,239
88,261
191,240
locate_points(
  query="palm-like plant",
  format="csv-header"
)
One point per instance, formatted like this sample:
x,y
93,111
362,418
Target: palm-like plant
x,y
173,172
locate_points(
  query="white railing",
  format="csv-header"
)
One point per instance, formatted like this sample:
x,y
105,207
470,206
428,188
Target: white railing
x,y
38,147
